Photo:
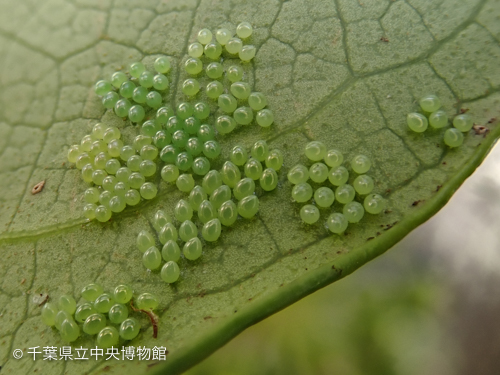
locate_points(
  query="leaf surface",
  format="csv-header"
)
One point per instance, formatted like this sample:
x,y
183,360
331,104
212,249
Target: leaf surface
x,y
343,72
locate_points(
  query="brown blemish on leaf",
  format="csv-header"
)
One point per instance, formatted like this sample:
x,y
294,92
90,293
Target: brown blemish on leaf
x,y
38,187
480,129
44,301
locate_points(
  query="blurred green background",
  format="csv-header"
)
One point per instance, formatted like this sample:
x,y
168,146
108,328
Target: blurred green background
x,y
428,306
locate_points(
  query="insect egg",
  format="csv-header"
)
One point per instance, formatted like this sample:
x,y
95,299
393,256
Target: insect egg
x,y
344,194
213,50
353,212
298,174
151,259
238,155
195,50
324,197
318,172
204,36
234,45
118,78
129,329
453,137
146,79
268,179
136,69
244,30
192,249
118,313
190,87
430,103
193,65
463,122
225,124
438,119
162,64
222,36
361,164
171,251
309,214
102,87
234,74
183,211
302,192
228,213
214,89
417,122
214,70
264,118
211,230
257,101
241,90
247,53
337,223
170,272
248,206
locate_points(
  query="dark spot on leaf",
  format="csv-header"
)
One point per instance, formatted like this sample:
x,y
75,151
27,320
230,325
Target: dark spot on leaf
x,y
389,226
155,363
416,203
336,269
384,39
464,110
370,238
208,317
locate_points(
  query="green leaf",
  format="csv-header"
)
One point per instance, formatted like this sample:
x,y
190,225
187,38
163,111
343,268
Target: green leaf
x,y
343,72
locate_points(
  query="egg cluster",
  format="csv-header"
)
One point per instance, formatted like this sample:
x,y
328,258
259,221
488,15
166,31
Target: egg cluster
x,y
100,155
180,138
437,118
214,207
239,104
223,38
140,85
90,317
328,165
